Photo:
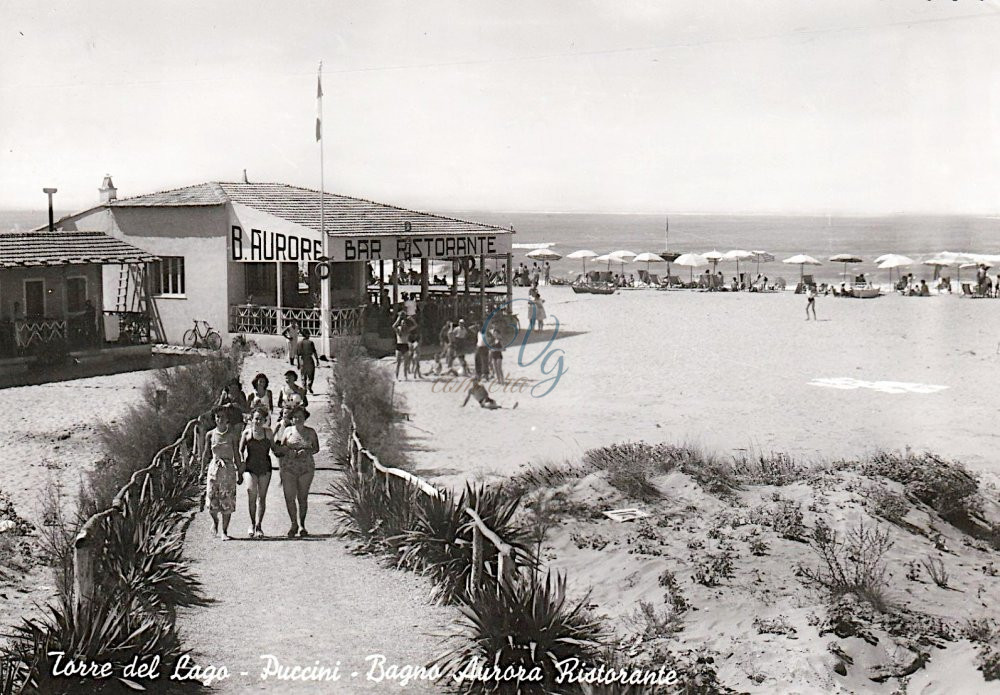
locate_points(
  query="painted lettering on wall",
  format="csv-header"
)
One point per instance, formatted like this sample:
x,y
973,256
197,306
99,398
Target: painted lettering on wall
x,y
410,248
264,245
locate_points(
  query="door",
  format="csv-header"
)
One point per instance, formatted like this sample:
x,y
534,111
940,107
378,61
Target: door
x,y
34,298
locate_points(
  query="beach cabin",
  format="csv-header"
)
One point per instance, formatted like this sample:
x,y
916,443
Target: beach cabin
x,y
52,293
248,259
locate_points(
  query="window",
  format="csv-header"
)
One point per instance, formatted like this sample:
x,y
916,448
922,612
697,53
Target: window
x,y
76,294
167,276
34,298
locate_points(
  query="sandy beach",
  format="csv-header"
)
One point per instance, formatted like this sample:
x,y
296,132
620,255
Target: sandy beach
x,y
730,372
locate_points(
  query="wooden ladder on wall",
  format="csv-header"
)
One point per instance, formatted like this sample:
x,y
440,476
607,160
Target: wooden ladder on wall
x,y
134,295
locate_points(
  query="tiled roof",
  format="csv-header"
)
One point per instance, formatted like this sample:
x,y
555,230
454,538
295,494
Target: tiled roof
x,y
344,215
200,194
66,248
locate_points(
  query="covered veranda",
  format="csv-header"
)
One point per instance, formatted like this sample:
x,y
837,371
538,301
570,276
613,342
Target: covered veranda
x,y
52,294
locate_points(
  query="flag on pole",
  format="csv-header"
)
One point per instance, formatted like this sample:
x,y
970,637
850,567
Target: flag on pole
x,y
319,103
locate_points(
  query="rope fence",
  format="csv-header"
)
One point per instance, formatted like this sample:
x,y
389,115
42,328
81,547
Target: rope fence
x,y
506,566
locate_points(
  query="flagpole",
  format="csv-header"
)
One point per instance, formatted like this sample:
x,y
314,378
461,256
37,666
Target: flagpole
x,y
326,337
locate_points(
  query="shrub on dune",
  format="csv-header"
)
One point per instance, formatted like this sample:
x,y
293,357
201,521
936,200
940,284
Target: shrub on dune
x,y
529,628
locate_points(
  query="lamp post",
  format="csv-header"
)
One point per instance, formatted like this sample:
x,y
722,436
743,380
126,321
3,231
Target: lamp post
x,y
49,192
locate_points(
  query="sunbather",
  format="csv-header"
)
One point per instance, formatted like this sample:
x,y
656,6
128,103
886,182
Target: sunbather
x,y
479,392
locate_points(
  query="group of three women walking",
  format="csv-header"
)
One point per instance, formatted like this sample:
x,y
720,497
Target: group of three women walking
x,y
242,445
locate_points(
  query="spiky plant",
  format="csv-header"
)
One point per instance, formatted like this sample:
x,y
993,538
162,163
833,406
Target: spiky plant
x,y
105,631
529,628
434,545
143,557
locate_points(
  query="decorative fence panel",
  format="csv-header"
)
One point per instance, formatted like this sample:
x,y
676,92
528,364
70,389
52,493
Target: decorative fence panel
x,y
31,333
347,320
258,320
272,320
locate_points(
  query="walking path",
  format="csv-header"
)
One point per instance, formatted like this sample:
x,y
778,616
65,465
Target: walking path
x,y
306,601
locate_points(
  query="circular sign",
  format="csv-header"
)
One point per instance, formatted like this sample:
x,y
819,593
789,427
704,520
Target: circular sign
x,y
322,270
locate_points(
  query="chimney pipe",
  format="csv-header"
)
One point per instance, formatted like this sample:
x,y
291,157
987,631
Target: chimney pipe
x,y
52,222
108,190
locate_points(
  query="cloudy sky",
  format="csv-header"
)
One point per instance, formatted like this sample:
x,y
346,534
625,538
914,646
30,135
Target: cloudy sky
x,y
861,106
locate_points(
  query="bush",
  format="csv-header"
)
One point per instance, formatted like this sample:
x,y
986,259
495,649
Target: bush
x,y
369,391
855,565
943,485
531,624
887,504
131,443
768,469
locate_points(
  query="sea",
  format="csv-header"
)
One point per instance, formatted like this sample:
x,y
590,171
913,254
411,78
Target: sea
x,y
919,237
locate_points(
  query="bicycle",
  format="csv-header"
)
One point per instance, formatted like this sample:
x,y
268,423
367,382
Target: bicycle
x,y
196,339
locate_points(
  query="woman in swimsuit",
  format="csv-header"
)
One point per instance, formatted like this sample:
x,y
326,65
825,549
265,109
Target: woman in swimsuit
x,y
291,394
255,446
296,447
225,470
261,396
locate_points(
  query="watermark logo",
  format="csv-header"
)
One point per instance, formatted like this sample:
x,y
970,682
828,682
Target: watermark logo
x,y
550,360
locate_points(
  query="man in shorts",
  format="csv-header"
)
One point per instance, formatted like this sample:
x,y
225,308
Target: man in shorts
x,y
459,344
402,327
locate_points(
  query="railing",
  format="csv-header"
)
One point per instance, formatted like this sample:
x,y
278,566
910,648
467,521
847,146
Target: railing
x,y
177,455
347,320
29,333
506,566
271,320
133,327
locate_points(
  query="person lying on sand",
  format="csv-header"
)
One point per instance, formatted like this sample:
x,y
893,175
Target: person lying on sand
x,y
479,392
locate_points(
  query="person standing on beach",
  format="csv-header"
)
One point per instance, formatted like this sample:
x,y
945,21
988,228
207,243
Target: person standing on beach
x,y
256,445
401,327
548,270
537,309
496,354
225,471
296,447
811,301
482,359
414,349
444,347
306,354
291,334
459,344
232,395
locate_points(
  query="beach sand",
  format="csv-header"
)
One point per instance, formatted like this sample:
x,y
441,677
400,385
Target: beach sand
x,y
727,373
730,372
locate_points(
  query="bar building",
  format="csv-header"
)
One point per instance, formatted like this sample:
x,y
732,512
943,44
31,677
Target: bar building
x,y
247,258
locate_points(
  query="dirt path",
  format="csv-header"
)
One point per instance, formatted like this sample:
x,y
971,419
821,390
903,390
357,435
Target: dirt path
x,y
305,601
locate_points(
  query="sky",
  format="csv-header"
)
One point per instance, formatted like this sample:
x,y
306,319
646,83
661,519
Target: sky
x,y
846,106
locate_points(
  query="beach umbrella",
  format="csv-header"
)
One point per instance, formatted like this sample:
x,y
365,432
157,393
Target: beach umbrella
x,y
762,257
845,258
606,258
543,255
713,256
582,254
691,260
939,263
894,260
648,258
802,261
737,255
623,257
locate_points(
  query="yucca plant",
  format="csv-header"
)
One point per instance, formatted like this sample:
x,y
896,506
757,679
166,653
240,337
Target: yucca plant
x,y
369,509
529,628
142,557
106,631
438,541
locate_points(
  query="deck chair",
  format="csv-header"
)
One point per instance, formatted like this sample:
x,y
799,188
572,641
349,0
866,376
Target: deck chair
x,y
780,284
673,281
644,277
967,291
654,280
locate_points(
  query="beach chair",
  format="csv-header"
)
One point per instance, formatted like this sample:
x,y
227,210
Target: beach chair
x,y
967,291
780,284
654,280
644,277
673,281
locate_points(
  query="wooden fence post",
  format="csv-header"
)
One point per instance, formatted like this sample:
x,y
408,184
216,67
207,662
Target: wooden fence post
x,y
83,571
477,560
